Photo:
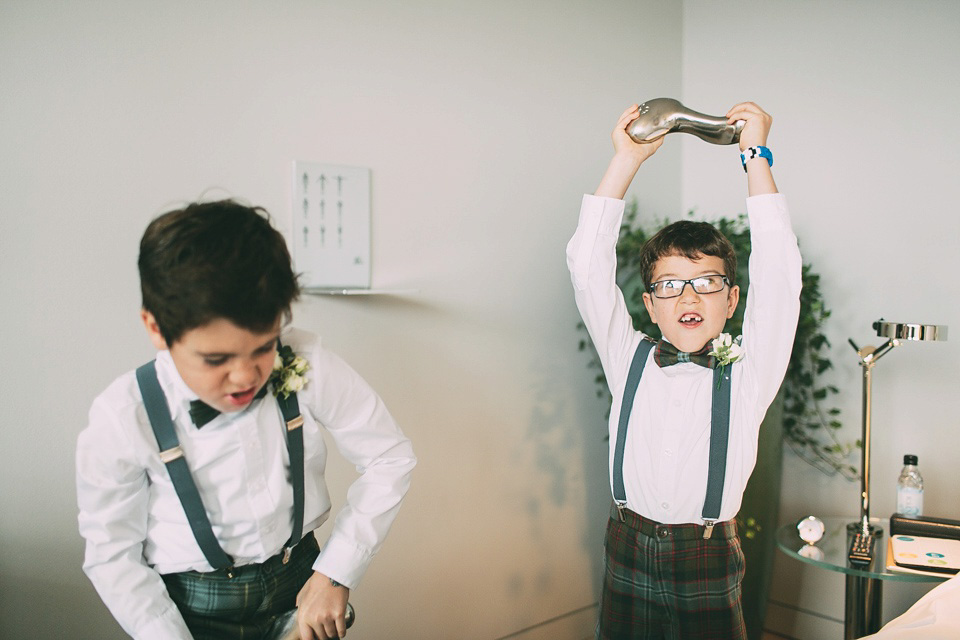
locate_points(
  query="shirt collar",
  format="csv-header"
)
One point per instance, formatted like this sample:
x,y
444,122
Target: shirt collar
x,y
178,393
681,368
179,396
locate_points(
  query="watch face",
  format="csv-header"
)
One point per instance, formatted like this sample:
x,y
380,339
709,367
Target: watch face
x,y
810,529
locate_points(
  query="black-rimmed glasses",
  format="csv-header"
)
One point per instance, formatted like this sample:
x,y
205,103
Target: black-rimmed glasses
x,y
701,284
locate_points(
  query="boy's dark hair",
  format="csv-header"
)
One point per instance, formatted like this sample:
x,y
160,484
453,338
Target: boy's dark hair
x,y
214,260
692,240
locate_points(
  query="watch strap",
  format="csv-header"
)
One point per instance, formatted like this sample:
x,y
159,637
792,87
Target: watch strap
x,y
755,152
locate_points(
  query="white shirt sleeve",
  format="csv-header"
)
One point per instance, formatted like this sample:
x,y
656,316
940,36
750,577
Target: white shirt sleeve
x,y
113,496
592,260
367,435
773,299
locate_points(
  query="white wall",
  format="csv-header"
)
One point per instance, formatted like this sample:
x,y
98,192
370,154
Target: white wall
x,y
864,98
482,122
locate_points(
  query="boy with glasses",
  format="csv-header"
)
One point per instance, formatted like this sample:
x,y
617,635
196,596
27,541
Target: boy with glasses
x,y
683,430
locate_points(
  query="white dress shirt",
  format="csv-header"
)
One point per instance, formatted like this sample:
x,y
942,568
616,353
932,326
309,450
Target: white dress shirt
x,y
668,438
135,527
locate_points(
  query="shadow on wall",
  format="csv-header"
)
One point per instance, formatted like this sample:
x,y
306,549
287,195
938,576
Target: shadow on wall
x,y
570,452
40,607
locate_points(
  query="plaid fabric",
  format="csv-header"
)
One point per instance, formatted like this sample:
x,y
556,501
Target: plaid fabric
x,y
666,354
666,582
217,607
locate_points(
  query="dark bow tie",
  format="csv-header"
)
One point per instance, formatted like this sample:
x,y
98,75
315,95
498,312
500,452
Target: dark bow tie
x,y
666,354
201,413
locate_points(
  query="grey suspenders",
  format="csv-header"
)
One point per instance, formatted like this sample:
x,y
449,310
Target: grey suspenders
x,y
626,406
171,454
719,433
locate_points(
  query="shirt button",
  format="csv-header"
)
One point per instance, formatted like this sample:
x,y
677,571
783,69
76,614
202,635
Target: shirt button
x,y
676,403
668,452
665,505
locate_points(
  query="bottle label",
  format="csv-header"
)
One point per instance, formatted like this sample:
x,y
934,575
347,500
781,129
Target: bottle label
x,y
910,502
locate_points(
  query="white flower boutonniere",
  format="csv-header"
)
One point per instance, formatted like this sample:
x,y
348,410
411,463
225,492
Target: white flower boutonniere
x,y
726,350
288,372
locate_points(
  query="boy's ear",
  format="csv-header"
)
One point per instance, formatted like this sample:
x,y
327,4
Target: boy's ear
x,y
648,303
153,330
732,300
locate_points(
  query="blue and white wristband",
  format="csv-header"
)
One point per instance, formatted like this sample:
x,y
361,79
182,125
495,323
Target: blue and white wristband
x,y
755,152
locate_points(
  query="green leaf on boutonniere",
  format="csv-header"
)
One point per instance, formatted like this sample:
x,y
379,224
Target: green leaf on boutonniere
x,y
288,375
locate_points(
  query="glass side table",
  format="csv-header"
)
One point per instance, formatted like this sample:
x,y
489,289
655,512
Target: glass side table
x,y
863,584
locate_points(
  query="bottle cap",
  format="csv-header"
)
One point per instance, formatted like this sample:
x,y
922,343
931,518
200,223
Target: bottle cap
x,y
909,459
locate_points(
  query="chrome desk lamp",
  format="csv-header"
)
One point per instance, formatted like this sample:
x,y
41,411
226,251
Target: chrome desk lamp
x,y
863,597
661,116
895,333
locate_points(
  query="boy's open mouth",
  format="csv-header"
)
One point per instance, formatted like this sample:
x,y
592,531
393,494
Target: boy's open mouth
x,y
691,319
242,398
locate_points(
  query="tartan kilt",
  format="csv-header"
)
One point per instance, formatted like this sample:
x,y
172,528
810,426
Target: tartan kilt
x,y
246,606
666,582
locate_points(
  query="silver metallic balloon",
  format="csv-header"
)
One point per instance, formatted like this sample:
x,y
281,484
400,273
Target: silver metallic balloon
x,y
661,116
286,628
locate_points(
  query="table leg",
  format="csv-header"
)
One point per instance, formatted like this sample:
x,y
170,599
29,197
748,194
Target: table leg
x,y
863,605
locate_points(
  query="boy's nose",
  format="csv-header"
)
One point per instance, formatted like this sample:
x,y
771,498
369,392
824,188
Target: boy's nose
x,y
688,293
245,374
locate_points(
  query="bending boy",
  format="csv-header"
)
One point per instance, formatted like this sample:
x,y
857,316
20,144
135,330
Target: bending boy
x,y
200,477
683,431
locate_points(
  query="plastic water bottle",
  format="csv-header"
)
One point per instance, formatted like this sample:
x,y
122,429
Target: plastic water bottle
x,y
910,489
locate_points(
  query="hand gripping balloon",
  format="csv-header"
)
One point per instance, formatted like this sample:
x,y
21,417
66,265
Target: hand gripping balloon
x,y
285,627
661,116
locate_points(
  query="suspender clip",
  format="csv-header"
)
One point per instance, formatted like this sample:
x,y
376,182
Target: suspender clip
x,y
230,572
170,455
286,554
708,528
620,507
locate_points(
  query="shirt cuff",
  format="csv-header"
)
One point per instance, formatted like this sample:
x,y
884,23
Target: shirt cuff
x,y
602,213
343,561
167,626
599,216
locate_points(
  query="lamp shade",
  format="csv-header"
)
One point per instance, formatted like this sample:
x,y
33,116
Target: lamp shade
x,y
906,331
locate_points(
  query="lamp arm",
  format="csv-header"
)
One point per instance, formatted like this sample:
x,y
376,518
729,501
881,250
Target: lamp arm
x,y
883,349
869,354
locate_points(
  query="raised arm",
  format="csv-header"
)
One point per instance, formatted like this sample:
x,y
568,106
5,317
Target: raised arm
x,y
592,254
627,158
773,300
754,134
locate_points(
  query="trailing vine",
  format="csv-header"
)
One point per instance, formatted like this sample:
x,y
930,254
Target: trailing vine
x,y
811,426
